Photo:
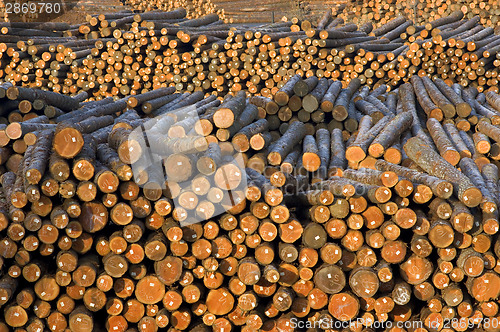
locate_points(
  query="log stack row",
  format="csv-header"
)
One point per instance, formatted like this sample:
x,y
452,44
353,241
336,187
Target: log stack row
x,y
420,11
190,212
126,53
194,8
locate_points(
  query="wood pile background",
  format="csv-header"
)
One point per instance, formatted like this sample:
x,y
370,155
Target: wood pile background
x,y
367,188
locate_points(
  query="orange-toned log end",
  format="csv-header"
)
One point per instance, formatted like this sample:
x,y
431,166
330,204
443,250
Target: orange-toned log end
x,y
223,118
203,127
393,251
311,161
485,287
121,214
355,154
343,306
147,324
364,282
422,194
169,270
389,179
228,177
14,130
15,316
384,273
488,206
317,298
451,156
383,194
326,106
107,182
444,189
4,140
437,114
473,266
257,142
348,190
19,200
368,162
241,143
33,176
68,142
149,290
434,321
393,155
116,323
219,301
441,235
133,311
81,320
274,158
94,299
471,197
281,98
83,170
376,150
483,147
330,279
249,272
335,171
405,218
416,270
490,223
47,288
424,291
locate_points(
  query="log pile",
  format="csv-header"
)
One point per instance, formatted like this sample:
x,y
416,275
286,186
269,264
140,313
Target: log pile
x,y
190,212
125,53
194,8
362,11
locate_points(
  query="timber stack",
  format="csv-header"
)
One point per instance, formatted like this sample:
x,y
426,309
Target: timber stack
x,y
194,8
125,53
362,11
190,212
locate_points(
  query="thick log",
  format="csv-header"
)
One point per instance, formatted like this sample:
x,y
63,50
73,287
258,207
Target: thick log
x,y
435,165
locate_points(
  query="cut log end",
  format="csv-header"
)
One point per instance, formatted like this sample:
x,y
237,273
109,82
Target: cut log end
x,y
472,197
355,154
68,142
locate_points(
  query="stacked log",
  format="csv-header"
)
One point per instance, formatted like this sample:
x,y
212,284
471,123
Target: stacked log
x,y
421,12
126,53
173,210
194,8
